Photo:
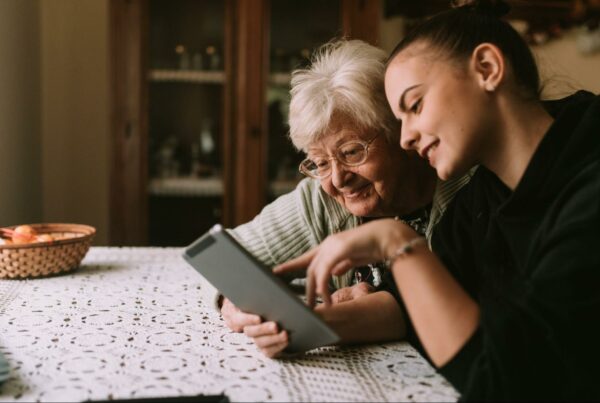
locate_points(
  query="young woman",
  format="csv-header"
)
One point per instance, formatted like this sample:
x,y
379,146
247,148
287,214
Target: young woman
x,y
507,305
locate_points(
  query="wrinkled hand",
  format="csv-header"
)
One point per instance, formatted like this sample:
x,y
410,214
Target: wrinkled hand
x,y
271,341
371,242
268,338
349,293
265,335
235,319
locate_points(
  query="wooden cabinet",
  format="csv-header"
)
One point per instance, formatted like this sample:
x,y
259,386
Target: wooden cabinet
x,y
200,90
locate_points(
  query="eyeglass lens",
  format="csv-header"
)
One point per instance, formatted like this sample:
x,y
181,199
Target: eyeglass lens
x,y
350,154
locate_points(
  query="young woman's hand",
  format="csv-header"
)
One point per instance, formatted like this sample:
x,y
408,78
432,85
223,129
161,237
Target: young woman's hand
x,y
368,243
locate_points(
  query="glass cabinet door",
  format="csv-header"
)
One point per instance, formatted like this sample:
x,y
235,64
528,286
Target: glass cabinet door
x,y
296,29
200,98
186,86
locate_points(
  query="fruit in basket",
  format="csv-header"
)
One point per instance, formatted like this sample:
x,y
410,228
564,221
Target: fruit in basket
x,y
44,238
23,234
55,248
26,234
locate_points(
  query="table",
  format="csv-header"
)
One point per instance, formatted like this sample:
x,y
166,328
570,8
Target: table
x,y
131,323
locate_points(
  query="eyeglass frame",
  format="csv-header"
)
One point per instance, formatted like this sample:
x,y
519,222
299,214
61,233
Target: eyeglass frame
x,y
365,144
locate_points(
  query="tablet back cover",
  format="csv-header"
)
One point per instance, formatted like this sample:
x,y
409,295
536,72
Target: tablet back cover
x,y
252,287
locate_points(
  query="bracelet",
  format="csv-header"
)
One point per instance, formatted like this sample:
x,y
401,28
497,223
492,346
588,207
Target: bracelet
x,y
405,249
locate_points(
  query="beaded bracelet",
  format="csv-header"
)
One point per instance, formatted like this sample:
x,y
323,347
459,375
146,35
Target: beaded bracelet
x,y
405,249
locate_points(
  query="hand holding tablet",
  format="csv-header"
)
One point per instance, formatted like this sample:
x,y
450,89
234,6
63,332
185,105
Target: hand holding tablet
x,y
253,287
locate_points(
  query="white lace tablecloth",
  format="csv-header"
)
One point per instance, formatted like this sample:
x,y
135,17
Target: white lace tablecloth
x,y
131,323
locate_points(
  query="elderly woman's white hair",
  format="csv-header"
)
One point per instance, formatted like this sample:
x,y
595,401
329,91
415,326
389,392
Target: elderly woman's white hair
x,y
345,80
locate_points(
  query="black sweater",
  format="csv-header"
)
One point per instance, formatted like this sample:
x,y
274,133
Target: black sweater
x,y
531,260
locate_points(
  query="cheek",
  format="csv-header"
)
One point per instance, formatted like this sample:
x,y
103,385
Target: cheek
x,y
469,131
458,150
434,119
381,163
328,187
380,175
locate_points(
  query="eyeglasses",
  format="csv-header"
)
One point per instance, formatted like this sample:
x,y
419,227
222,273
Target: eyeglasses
x,y
350,154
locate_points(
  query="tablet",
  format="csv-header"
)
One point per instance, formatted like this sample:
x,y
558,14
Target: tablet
x,y
252,287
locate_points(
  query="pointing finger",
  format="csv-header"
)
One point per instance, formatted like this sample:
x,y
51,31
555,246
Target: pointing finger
x,y
298,263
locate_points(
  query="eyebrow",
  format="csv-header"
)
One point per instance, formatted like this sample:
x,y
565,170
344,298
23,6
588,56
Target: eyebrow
x,y
401,104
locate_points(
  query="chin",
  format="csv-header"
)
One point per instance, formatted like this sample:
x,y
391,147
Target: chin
x,y
452,175
444,173
362,209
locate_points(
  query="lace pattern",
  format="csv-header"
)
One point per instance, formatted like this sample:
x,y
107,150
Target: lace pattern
x,y
131,323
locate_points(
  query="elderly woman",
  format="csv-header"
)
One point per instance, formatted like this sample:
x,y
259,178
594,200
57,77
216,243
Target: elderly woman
x,y
356,171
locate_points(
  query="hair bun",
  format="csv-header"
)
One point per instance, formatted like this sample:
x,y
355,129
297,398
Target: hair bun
x,y
498,8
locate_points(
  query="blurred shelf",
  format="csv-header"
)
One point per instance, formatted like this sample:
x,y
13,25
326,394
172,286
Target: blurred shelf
x,y
186,186
280,78
281,187
188,76
206,187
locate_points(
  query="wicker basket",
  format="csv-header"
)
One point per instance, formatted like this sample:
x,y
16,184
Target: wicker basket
x,y
47,258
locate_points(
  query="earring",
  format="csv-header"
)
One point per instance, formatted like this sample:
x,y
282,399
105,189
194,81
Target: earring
x,y
490,87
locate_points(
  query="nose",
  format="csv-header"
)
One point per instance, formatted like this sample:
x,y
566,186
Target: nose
x,y
409,137
340,175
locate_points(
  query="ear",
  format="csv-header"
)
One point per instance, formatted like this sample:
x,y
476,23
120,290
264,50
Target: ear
x,y
487,63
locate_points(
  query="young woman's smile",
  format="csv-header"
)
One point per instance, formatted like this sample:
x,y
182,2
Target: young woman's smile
x,y
439,106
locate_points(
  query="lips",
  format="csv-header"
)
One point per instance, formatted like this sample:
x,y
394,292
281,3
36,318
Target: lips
x,y
356,193
427,150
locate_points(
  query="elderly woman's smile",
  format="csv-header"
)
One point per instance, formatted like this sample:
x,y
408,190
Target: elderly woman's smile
x,y
356,193
361,172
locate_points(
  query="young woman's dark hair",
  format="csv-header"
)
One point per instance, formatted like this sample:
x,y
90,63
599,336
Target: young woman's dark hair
x,y
458,31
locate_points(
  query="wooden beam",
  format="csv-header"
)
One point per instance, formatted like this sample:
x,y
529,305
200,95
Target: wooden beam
x,y
128,201
360,19
250,119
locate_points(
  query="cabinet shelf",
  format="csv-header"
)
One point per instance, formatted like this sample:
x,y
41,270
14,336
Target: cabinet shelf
x,y
207,187
283,79
282,186
208,76
186,187
187,76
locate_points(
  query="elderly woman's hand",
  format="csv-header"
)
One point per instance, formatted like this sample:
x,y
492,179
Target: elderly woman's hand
x,y
271,341
338,253
265,335
268,338
235,319
349,293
